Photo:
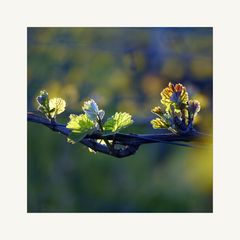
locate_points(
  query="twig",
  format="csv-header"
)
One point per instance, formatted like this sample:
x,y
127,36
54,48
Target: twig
x,y
129,142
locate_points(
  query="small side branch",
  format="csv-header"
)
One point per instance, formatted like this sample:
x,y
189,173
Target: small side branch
x,y
129,142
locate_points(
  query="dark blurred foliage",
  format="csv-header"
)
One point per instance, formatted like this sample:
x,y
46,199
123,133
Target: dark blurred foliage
x,y
123,69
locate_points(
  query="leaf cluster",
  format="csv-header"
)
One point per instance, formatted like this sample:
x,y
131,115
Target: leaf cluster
x,y
50,107
92,120
177,112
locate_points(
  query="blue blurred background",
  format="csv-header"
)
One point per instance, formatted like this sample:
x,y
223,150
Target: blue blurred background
x,y
123,69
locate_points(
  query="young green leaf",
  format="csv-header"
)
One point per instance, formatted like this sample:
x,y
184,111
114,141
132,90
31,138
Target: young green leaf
x,y
56,106
158,123
80,125
42,99
91,110
43,102
51,108
118,121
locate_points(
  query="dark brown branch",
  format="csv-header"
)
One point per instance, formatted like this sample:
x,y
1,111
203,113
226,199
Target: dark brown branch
x,y
129,142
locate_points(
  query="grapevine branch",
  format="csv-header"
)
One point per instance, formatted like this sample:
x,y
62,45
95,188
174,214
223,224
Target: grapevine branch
x,y
127,144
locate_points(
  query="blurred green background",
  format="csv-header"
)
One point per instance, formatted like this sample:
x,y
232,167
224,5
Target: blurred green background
x,y
123,69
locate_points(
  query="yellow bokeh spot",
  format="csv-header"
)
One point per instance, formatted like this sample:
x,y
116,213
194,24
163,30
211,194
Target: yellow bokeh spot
x,y
172,69
151,85
201,67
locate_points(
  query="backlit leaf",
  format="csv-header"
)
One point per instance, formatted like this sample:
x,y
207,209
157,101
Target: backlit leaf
x,y
91,109
118,121
80,125
158,123
56,106
42,99
174,94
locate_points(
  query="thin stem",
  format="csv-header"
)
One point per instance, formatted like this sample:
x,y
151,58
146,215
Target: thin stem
x,y
110,146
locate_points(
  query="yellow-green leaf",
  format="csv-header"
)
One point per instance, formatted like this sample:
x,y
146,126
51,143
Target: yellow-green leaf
x,y
159,123
174,94
80,126
118,121
92,111
56,106
80,123
42,99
